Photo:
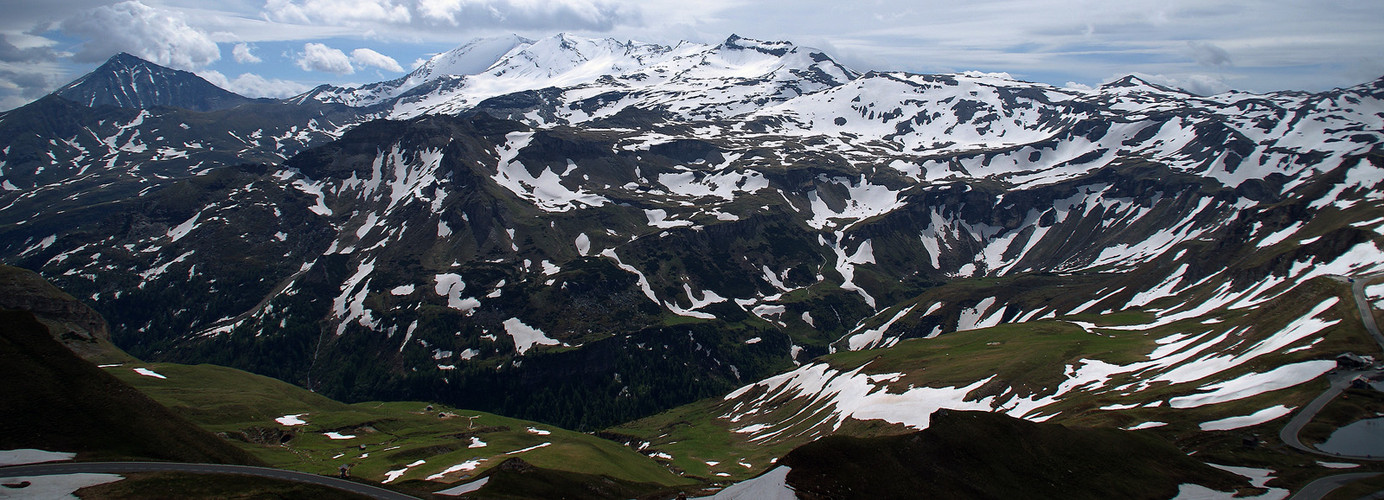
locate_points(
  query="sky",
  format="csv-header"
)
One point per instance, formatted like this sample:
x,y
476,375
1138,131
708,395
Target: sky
x,y
278,48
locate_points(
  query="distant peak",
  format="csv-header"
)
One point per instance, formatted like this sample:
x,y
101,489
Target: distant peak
x,y
1132,81
128,81
777,48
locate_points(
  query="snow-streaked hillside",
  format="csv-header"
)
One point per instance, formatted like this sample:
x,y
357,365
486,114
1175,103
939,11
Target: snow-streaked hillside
x,y
681,220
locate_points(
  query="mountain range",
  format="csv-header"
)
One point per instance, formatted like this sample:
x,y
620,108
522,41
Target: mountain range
x,y
588,231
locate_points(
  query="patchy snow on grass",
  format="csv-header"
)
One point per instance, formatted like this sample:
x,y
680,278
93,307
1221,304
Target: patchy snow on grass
x,y
539,432
464,488
659,218
583,243
476,443
336,435
833,396
401,290
1256,418
178,232
531,448
450,285
1279,235
149,373
1337,465
1252,384
56,486
874,337
545,190
390,476
464,466
1145,425
32,456
525,336
291,419
772,485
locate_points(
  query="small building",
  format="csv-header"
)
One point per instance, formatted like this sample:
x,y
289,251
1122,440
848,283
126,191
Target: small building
x,y
1352,361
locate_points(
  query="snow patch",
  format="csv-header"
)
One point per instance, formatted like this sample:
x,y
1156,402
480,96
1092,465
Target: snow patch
x,y
32,456
1256,418
291,419
525,336
149,373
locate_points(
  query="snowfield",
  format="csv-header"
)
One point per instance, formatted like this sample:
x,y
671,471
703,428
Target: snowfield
x,y
33,456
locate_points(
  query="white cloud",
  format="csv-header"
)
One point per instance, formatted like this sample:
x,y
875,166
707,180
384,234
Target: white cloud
x,y
319,57
156,35
337,11
1208,54
367,57
242,54
252,85
436,15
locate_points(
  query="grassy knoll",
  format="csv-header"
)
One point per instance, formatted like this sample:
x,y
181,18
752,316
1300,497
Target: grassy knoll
x,y
386,436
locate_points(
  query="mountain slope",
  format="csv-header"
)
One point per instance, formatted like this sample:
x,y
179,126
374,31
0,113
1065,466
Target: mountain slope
x,y
603,229
292,428
74,324
58,401
1176,372
986,455
127,81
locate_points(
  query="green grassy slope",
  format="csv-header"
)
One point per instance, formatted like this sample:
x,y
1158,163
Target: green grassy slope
x,y
394,435
56,401
1033,360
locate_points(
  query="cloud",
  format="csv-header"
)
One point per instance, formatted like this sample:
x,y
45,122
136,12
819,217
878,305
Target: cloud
x,y
252,85
367,57
242,54
438,15
26,73
319,57
1208,54
337,11
9,52
153,34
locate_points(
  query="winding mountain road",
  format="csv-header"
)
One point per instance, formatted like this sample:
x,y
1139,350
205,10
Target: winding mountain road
x,y
1362,303
50,469
1321,487
1339,382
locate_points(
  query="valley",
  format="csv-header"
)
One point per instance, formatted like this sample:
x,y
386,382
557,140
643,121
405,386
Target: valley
x,y
649,269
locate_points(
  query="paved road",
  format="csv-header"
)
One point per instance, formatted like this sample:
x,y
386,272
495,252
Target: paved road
x,y
1363,304
1315,490
1318,489
1289,435
50,469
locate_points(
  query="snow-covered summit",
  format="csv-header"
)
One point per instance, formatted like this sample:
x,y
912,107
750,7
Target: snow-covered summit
x,y
750,70
469,58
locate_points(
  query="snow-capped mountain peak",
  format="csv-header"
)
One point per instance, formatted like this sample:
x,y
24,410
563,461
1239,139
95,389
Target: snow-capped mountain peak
x,y
470,58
